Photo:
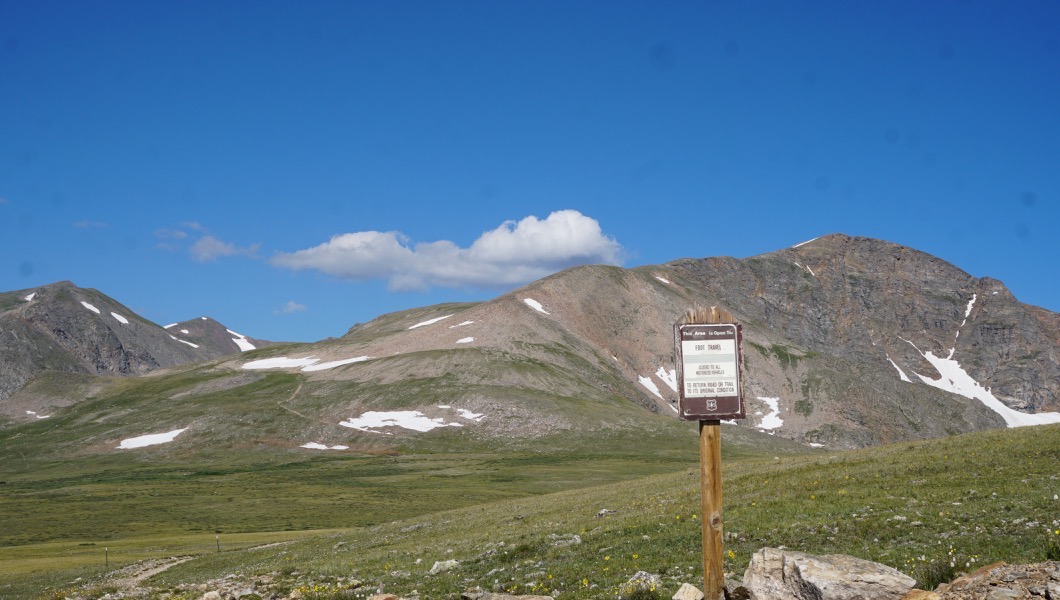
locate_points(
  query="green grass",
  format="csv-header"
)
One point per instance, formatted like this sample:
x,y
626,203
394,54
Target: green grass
x,y
971,499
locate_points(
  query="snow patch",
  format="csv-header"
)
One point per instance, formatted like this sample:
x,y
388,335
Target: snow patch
x,y
406,419
90,307
668,377
318,446
241,341
335,363
204,318
954,379
34,413
29,298
816,445
901,373
120,318
281,362
185,342
460,324
772,420
648,383
534,304
470,416
185,332
663,279
466,340
968,310
804,243
151,439
429,322
170,325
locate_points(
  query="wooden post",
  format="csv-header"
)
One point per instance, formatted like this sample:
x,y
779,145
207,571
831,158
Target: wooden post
x,y
710,477
710,497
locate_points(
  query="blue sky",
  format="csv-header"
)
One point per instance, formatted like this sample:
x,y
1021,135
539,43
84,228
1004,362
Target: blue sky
x,y
291,169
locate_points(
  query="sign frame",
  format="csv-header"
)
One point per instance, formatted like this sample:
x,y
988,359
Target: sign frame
x,y
726,351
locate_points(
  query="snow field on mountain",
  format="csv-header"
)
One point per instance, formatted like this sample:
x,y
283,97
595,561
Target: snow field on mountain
x,y
241,341
415,420
534,304
309,363
771,420
151,439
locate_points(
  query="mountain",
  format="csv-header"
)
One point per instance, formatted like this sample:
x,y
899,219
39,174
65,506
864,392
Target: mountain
x,y
848,342
63,328
206,332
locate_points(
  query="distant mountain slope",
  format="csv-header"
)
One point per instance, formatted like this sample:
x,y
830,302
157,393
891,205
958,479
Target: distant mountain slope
x,y
848,342
207,332
61,327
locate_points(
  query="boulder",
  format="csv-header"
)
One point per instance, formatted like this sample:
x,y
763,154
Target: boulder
x,y
642,580
442,566
785,575
688,592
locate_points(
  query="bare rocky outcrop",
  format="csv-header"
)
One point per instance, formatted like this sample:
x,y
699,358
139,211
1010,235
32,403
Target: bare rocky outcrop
x,y
1000,581
775,574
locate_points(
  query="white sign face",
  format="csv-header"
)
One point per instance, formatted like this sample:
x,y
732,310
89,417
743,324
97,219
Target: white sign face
x,y
710,366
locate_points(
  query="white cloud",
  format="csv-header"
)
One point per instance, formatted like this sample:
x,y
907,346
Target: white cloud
x,y
170,234
513,253
208,248
291,307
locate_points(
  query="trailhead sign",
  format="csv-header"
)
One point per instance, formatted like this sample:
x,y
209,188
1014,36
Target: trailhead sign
x,y
709,373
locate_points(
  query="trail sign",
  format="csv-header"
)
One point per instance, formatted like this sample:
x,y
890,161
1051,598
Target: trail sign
x,y
708,372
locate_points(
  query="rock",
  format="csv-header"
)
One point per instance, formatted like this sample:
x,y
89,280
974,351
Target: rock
x,y
642,580
688,592
565,540
442,566
384,597
212,595
1000,581
785,575
920,595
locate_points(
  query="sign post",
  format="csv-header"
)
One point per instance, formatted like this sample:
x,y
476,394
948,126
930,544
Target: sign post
x,y
707,344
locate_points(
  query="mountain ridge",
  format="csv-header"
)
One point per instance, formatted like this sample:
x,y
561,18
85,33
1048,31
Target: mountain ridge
x,y
848,342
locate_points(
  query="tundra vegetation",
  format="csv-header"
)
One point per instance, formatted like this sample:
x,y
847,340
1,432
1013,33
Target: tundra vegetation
x,y
577,521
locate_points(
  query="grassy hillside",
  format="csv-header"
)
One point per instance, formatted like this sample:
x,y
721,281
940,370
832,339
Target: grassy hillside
x,y
970,499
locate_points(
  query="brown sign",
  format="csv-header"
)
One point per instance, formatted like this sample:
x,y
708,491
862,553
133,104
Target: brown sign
x,y
708,374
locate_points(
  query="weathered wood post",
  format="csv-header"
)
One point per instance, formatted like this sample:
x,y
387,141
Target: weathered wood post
x,y
707,351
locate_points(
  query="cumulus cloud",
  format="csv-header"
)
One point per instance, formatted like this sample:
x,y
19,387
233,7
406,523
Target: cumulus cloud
x,y
290,307
515,252
208,248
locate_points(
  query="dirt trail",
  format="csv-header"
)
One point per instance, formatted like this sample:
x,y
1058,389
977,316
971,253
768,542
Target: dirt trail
x,y
132,576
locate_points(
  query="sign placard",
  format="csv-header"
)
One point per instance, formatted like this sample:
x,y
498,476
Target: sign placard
x,y
709,371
